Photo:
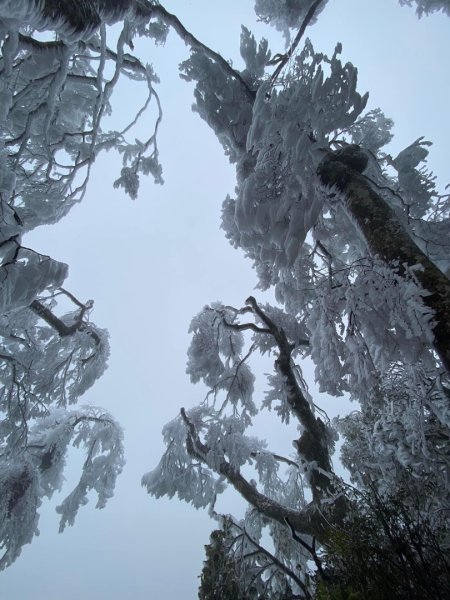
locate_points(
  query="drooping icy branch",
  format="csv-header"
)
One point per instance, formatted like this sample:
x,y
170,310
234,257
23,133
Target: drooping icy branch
x,y
207,444
308,521
27,477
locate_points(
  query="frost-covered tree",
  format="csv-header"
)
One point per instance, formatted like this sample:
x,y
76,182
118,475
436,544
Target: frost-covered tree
x,y
208,446
47,363
355,244
285,15
55,89
238,568
353,240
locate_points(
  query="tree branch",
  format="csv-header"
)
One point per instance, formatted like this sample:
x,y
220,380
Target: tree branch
x,y
311,550
59,325
387,238
279,458
243,326
285,57
309,521
282,567
312,445
195,44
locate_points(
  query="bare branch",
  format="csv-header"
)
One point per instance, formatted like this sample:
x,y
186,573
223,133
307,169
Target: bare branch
x,y
311,550
61,327
243,326
283,60
195,44
279,458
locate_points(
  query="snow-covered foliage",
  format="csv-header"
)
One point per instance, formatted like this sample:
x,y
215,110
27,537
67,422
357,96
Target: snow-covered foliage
x,y
257,571
401,432
24,274
228,110
364,319
286,15
217,357
209,447
367,309
237,567
54,96
47,363
58,73
27,475
368,318
281,198
426,7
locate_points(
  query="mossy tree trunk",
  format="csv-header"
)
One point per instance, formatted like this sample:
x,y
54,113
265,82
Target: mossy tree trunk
x,y
388,239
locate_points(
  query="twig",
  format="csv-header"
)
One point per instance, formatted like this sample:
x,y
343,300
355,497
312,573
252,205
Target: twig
x,y
196,44
285,57
282,567
311,550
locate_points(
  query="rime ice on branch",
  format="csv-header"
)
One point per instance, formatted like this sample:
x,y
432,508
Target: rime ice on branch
x,y
54,95
355,244
353,240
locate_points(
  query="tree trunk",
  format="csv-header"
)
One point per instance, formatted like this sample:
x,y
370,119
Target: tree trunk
x,y
388,239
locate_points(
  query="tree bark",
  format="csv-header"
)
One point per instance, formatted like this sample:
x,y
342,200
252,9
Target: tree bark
x,y
312,445
63,329
387,238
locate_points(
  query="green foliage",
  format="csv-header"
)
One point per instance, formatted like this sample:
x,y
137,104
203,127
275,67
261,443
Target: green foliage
x,y
219,579
389,548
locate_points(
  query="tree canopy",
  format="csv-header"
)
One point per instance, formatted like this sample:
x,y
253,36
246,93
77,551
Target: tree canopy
x,y
353,241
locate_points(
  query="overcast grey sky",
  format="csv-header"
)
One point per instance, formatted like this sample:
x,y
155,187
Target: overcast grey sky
x,y
150,265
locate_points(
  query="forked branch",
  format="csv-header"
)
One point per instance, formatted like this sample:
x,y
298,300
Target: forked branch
x,y
309,520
